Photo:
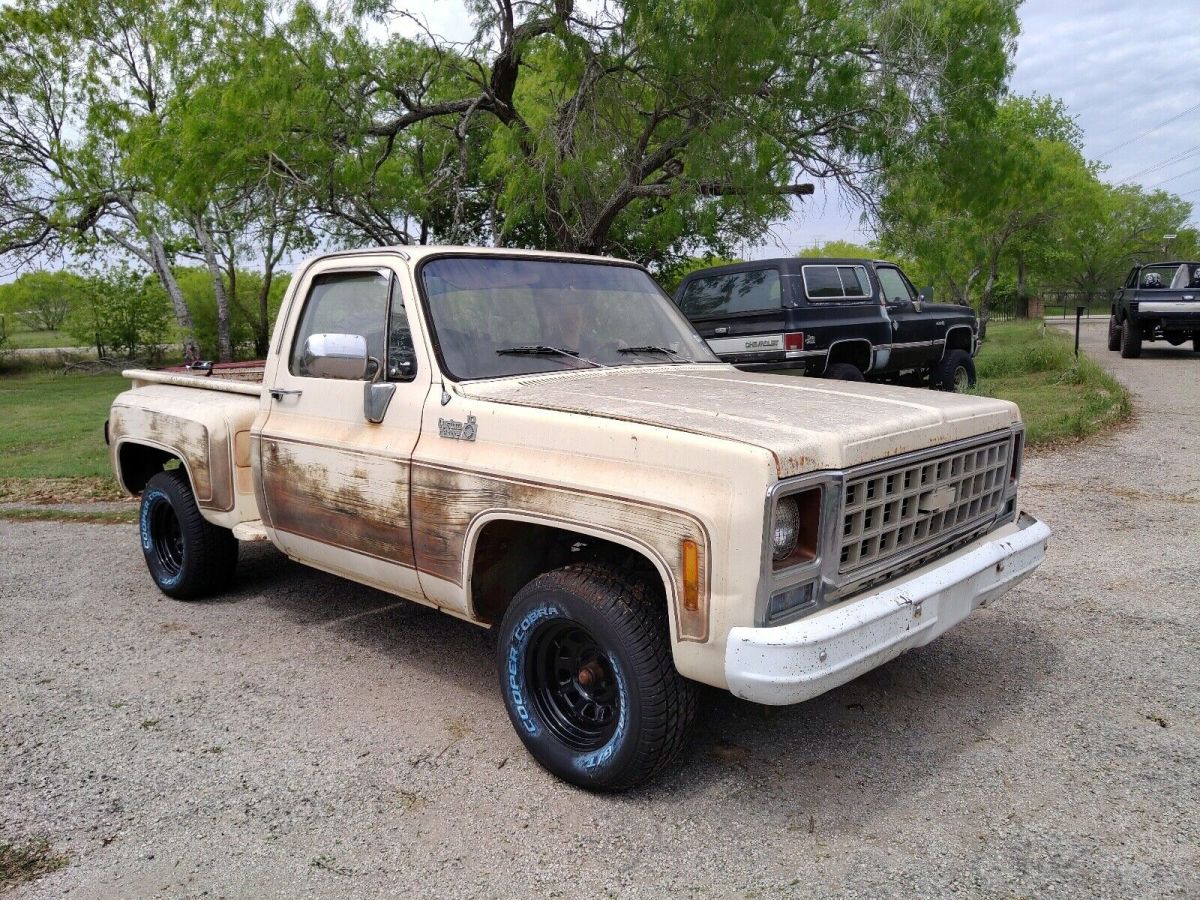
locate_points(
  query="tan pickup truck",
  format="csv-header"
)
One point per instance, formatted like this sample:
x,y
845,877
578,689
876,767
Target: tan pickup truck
x,y
542,444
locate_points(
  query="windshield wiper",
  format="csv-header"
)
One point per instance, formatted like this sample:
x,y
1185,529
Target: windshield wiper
x,y
546,350
652,348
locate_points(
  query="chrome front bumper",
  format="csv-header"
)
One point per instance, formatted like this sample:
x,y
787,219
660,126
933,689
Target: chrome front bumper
x,y
794,662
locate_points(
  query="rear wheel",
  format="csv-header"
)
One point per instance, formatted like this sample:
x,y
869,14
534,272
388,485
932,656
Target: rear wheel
x,y
1196,343
1114,334
954,373
1131,340
844,372
188,557
584,658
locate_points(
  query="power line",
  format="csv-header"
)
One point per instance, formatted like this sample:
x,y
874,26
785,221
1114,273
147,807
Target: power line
x,y
1148,131
1173,177
1178,157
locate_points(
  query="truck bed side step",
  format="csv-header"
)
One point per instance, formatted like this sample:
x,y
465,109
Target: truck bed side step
x,y
250,531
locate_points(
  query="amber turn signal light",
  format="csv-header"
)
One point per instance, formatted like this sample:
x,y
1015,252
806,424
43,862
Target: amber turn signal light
x,y
691,575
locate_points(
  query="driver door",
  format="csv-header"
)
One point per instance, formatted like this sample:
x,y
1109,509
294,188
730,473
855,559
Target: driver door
x,y
334,486
912,331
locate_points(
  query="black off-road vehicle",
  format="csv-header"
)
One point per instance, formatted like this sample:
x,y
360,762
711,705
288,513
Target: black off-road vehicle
x,y
839,318
1158,302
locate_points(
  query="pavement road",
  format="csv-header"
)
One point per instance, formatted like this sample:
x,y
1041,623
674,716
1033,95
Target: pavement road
x,y
306,737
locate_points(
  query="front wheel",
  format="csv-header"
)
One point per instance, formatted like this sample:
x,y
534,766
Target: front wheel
x,y
1114,334
585,666
188,557
954,373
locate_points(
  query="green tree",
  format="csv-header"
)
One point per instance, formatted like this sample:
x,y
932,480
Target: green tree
x,y
840,249
647,129
40,300
1000,190
1114,228
122,311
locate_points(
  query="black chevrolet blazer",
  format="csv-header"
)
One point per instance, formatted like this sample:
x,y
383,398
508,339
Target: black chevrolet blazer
x,y
840,318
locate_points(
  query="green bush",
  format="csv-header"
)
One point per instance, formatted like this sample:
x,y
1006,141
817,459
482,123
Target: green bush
x,y
1020,349
122,312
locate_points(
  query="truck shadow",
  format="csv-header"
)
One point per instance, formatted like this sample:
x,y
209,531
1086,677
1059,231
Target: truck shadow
x,y
863,746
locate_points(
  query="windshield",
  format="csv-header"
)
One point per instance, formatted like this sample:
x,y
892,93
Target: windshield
x,y
494,316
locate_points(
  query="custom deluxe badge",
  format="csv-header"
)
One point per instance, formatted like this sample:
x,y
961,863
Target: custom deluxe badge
x,y
457,431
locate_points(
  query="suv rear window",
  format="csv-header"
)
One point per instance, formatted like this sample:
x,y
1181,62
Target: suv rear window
x,y
733,293
836,282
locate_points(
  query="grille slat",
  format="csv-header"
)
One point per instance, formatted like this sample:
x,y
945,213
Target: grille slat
x,y
901,511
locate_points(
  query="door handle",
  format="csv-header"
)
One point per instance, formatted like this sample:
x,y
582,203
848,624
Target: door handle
x,y
280,393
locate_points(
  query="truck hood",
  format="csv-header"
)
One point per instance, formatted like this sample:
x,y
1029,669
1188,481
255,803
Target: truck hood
x,y
806,423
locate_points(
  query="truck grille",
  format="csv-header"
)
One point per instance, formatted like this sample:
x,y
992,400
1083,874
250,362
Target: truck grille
x,y
894,514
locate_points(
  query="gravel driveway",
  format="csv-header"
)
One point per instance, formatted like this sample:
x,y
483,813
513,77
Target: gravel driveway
x,y
306,737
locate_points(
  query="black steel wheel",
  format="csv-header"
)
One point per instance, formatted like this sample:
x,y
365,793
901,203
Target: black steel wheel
x,y
574,685
585,665
188,557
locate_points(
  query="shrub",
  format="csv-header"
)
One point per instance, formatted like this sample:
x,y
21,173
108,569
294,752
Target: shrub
x,y
122,311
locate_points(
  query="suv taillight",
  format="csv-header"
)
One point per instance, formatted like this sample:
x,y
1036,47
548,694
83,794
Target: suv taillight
x,y
793,340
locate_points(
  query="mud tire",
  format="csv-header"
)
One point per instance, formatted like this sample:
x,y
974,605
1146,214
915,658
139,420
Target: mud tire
x,y
1131,340
188,557
955,373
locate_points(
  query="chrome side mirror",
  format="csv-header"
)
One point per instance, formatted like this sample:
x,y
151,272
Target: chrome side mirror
x,y
335,356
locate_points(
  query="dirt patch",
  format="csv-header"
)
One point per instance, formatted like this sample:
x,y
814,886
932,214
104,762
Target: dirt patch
x,y
87,489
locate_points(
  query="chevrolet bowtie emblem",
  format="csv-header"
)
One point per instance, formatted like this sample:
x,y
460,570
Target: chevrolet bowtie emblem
x,y
940,500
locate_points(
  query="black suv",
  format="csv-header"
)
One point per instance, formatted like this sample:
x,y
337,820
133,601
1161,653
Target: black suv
x,y
839,318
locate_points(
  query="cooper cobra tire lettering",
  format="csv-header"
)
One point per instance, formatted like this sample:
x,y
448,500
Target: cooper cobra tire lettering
x,y
585,669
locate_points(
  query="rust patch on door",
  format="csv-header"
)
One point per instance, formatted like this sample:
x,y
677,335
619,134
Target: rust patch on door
x,y
338,497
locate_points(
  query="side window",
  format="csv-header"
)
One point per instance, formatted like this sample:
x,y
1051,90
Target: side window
x,y
893,283
343,303
836,282
733,293
402,358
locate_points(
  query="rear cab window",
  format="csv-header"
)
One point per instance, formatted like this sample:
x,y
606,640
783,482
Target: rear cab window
x,y
836,282
732,293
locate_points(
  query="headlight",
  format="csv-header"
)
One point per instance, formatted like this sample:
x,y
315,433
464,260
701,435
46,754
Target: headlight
x,y
786,530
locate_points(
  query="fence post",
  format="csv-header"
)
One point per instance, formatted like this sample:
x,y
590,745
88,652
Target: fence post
x,y
1078,315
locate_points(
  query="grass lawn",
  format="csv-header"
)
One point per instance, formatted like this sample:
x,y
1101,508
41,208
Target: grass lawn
x,y
1060,397
52,428
24,339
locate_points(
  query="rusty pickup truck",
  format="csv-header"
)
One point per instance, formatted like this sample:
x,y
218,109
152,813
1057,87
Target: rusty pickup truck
x,y
541,444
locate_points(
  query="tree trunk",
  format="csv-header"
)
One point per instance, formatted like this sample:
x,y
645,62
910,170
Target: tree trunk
x,y
1022,310
183,315
209,246
262,332
985,300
